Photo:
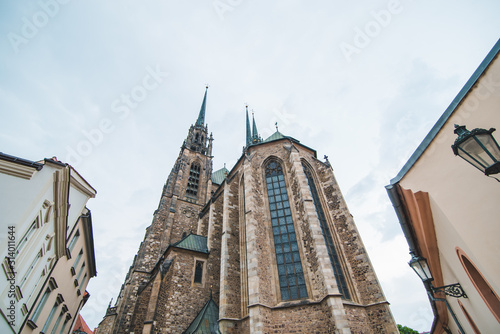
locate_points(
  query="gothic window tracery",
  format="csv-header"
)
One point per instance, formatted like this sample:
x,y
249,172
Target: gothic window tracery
x,y
291,275
330,246
193,180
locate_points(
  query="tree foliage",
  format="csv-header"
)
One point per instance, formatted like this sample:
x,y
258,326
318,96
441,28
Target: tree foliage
x,y
406,330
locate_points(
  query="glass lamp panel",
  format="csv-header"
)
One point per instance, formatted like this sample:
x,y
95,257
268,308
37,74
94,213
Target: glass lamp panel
x,y
419,265
470,160
490,144
472,151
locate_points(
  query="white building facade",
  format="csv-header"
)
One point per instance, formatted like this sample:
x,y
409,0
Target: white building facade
x,y
47,247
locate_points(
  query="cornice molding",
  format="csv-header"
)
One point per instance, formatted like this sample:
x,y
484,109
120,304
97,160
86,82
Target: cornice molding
x,y
79,183
17,170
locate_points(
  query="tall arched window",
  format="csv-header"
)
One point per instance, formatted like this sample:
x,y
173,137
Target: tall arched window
x,y
482,286
332,253
291,275
193,180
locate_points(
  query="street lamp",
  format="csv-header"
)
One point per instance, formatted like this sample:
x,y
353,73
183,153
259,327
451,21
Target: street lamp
x,y
420,266
479,148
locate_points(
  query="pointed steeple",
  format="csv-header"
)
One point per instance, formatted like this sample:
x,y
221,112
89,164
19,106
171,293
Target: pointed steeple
x,y
255,133
201,116
198,133
249,133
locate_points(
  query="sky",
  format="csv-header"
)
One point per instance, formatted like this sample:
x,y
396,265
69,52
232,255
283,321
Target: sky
x,y
112,88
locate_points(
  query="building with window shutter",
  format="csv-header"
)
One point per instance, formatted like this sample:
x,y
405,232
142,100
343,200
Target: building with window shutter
x,y
48,254
268,246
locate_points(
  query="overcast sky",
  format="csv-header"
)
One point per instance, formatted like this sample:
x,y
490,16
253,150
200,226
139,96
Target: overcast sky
x,y
112,88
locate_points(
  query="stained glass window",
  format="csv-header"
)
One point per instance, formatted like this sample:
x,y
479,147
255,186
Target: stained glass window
x,y
291,275
332,253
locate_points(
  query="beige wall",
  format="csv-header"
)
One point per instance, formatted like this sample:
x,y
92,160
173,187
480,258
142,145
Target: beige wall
x,y
464,202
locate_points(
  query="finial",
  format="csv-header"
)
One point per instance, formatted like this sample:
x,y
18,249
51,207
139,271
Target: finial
x,y
276,124
326,161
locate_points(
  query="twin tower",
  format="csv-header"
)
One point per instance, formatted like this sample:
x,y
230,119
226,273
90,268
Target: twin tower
x,y
266,247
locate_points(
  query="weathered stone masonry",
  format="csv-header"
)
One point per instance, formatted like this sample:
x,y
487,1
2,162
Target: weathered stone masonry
x,y
211,261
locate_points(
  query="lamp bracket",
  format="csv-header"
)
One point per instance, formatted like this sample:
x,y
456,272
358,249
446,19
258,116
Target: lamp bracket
x,y
453,290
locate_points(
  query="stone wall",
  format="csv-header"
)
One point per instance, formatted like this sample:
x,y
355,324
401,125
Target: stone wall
x,y
366,285
230,299
180,299
240,243
106,325
305,318
141,307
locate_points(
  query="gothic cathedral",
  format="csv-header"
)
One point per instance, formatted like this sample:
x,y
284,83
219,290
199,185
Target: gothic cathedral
x,y
266,247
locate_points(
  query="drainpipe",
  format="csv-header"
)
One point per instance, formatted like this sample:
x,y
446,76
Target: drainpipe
x,y
434,299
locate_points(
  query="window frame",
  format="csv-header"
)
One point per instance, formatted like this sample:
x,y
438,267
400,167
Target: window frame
x,y
74,240
203,270
193,182
334,255
490,298
299,288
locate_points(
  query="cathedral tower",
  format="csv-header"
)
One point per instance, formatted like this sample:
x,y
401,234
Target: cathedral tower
x,y
269,246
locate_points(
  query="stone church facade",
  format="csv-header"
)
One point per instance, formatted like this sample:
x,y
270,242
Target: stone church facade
x,y
266,247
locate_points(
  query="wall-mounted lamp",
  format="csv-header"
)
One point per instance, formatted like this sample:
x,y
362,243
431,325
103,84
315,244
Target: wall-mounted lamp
x,y
420,266
479,148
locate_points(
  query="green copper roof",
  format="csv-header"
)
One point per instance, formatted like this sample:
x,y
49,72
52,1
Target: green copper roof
x,y
201,116
275,136
255,133
219,176
193,242
206,322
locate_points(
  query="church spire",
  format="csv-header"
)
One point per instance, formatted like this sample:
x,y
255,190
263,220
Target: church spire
x,y
201,116
249,133
198,133
255,133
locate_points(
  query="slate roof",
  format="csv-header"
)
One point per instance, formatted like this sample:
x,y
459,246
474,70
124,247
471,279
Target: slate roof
x,y
219,175
206,322
193,242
